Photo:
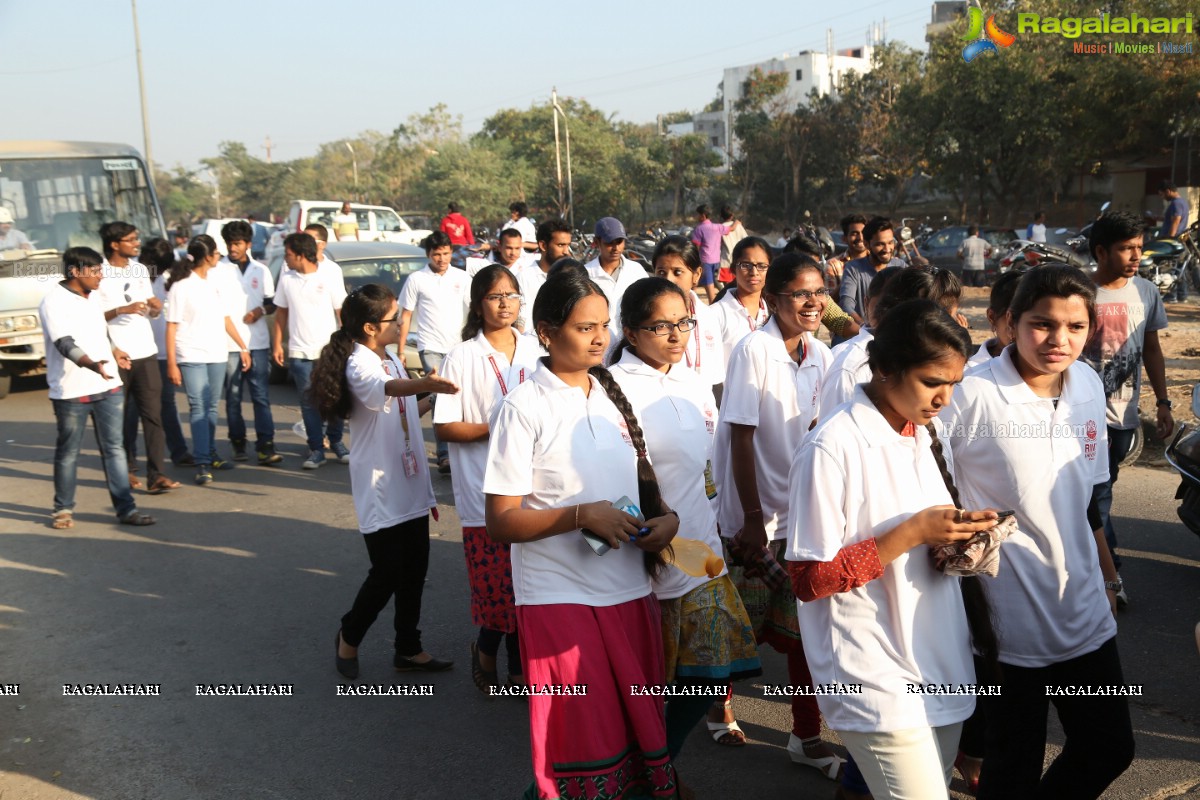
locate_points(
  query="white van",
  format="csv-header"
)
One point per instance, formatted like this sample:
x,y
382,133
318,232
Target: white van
x,y
375,223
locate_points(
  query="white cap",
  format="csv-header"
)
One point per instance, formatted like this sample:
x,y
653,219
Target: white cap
x,y
5,216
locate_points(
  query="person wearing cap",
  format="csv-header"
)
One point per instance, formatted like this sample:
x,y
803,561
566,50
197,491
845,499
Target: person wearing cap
x,y
10,237
611,270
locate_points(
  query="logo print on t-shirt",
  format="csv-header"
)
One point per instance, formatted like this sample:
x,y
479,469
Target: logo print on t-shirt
x,y
1091,429
625,432
254,283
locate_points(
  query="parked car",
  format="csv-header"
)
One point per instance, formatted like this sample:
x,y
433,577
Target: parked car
x,y
942,247
388,263
213,228
375,223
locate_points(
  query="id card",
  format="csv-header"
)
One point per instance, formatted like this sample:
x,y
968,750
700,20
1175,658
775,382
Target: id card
x,y
410,464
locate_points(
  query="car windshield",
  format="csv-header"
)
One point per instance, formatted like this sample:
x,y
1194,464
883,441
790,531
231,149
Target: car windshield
x,y
62,202
388,220
324,216
999,237
392,271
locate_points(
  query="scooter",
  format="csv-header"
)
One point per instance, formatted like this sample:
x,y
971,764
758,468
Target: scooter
x,y
1184,455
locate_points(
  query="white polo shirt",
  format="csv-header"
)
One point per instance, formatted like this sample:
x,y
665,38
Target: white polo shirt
x,y
484,376
705,353
766,389
849,368
312,301
734,322
333,268
439,305
525,226
159,324
614,285
196,306
678,415
122,286
64,313
529,280
1013,449
242,292
554,447
981,355
383,495
855,478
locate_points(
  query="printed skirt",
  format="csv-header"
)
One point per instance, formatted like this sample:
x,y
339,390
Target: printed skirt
x,y
707,636
772,611
489,571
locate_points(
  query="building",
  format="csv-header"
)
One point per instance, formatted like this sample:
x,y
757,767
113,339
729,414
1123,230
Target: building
x,y
945,14
709,124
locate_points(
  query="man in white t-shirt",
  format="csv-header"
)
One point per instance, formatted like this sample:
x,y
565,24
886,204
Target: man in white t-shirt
x,y
248,292
324,263
611,270
1129,315
308,305
10,237
438,296
521,221
1036,231
81,370
554,242
345,224
126,296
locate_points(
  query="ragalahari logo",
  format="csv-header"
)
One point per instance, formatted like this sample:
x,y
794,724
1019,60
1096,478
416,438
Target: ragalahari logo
x,y
983,36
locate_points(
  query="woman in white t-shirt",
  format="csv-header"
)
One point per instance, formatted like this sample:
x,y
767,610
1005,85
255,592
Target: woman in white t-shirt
x,y
1027,429
870,491
677,259
997,316
493,359
565,451
358,377
706,632
197,351
740,309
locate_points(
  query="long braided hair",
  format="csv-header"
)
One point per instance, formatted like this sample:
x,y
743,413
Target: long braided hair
x,y
909,334
555,301
329,389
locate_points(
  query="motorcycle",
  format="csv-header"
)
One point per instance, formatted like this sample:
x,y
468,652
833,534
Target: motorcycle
x,y
1161,262
1184,455
1022,254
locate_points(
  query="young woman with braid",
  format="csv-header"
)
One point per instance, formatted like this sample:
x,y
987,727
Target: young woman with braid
x,y
564,446
492,360
871,491
357,377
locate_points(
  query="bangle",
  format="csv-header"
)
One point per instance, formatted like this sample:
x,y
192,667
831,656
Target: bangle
x,y
577,515
752,511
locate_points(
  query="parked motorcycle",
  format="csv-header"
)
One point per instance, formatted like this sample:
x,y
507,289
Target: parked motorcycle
x,y
1184,455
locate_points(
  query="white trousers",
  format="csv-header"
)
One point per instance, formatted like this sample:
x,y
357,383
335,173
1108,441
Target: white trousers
x,y
912,764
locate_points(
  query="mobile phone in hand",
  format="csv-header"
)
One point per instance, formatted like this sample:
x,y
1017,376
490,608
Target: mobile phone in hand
x,y
598,545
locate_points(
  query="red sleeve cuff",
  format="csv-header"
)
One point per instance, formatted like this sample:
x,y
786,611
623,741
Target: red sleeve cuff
x,y
853,566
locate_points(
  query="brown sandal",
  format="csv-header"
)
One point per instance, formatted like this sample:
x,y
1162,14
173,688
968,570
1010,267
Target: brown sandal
x,y
62,520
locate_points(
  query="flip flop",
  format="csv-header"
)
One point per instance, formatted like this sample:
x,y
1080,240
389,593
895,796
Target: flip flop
x,y
138,519
163,485
62,520
721,730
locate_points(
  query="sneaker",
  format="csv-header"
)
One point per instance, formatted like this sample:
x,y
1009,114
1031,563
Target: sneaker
x,y
239,450
203,476
220,463
267,455
341,452
315,459
1122,598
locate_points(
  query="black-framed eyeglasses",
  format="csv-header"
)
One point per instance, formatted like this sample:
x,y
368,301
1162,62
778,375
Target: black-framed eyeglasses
x,y
389,320
803,296
512,297
665,328
747,266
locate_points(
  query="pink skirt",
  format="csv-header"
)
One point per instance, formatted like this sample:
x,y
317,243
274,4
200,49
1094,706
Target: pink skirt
x,y
607,744
489,571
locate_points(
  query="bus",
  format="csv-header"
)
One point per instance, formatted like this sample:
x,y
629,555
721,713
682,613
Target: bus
x,y
58,194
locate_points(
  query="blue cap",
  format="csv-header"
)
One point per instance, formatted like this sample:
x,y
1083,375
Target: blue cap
x,y
609,229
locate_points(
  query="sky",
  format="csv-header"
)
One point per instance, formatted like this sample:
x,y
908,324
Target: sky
x,y
304,73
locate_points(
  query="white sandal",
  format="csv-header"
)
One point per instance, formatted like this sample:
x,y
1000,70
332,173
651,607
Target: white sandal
x,y
829,766
719,730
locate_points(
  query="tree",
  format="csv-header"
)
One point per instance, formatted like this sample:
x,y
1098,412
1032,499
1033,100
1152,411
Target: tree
x,y
482,175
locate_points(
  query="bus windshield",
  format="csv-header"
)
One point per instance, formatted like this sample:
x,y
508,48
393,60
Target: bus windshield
x,y
62,202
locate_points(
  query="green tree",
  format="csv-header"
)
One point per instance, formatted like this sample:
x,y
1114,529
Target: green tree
x,y
483,176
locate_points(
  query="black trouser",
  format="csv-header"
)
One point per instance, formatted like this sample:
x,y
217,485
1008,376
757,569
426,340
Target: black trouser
x,y
1099,735
489,644
143,385
399,561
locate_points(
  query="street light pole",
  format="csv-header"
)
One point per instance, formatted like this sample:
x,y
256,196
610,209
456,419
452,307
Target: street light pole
x,y
557,153
354,163
137,43
567,125
216,190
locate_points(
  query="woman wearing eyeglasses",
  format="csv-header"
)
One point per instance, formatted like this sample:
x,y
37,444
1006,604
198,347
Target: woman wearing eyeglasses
x,y
741,310
772,391
493,359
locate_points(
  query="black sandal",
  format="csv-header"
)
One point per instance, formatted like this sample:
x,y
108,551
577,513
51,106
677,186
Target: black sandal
x,y
138,519
482,677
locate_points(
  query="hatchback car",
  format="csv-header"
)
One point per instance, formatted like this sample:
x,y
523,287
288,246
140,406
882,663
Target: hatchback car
x,y
942,247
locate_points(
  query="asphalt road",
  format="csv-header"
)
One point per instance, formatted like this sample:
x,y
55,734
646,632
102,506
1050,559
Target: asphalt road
x,y
244,581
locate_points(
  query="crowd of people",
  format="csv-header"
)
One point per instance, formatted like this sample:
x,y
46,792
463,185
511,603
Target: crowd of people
x,y
599,419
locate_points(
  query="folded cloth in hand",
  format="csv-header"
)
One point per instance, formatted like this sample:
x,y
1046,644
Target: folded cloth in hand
x,y
979,555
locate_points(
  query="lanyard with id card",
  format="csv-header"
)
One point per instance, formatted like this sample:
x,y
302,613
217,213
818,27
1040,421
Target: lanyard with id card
x,y
408,458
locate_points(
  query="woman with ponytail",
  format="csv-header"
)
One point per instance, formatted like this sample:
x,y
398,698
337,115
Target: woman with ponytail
x,y
706,632
1027,429
356,376
196,329
564,448
871,491
492,360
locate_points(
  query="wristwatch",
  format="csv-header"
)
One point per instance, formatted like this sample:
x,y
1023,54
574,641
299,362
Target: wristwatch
x,y
1114,586
1163,401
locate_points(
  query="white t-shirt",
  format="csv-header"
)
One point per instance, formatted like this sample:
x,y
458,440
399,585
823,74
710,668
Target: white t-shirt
x,y
334,270
196,305
705,353
553,447
981,355
678,415
439,305
855,478
529,280
64,313
525,226
482,387
734,322
159,324
1123,318
383,495
1015,450
766,389
122,286
243,292
614,285
312,301
848,369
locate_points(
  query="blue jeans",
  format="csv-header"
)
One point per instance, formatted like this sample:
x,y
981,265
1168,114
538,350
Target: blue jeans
x,y
202,383
1119,442
257,377
301,369
431,360
108,417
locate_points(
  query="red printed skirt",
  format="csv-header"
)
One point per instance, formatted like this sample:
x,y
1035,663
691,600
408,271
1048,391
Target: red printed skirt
x,y
489,570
